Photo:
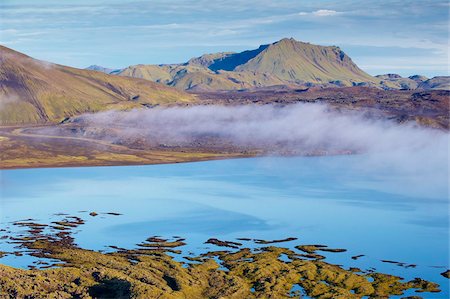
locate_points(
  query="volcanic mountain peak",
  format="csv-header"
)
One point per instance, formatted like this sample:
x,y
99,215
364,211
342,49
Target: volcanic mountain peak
x,y
231,61
284,62
296,61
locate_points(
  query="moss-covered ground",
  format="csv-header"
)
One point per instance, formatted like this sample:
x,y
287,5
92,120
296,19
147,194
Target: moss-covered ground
x,y
151,271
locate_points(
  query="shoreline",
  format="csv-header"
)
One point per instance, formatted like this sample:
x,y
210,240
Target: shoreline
x,y
255,267
29,150
215,158
127,165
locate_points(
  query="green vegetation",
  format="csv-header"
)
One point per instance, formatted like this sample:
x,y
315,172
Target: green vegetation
x,y
150,272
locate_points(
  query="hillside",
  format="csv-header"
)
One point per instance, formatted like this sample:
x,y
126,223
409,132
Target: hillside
x,y
284,62
194,76
33,91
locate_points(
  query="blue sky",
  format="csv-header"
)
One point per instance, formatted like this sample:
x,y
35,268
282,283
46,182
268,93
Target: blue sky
x,y
384,36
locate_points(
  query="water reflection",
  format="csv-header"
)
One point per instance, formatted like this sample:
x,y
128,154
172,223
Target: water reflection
x,y
328,200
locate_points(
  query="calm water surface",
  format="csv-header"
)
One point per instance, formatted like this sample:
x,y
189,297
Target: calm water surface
x,y
380,212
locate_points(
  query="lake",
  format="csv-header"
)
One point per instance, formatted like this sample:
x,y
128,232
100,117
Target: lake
x,y
340,201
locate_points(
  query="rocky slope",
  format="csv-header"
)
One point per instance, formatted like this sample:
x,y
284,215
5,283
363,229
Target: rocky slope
x,y
34,91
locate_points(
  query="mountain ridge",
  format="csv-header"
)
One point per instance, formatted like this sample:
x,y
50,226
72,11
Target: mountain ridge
x,y
285,62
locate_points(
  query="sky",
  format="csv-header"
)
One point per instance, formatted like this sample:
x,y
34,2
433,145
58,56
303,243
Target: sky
x,y
382,36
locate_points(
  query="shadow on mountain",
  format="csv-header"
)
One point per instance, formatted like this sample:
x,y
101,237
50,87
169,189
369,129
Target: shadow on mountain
x,y
229,63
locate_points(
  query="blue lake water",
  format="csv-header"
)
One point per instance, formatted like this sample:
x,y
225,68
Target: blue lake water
x,y
339,201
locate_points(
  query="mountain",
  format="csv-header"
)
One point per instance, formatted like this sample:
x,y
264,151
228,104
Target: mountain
x,y
192,76
284,63
281,63
34,91
395,81
99,68
296,61
415,82
439,82
418,78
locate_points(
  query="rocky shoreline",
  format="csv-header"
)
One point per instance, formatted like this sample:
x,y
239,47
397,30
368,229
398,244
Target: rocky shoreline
x,y
151,271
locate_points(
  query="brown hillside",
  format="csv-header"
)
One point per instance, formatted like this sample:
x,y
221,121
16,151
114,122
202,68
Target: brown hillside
x,y
34,91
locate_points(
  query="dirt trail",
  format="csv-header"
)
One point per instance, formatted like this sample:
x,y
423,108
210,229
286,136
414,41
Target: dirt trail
x,y
19,133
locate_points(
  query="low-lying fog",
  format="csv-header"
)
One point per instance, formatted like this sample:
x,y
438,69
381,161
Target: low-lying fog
x,y
306,125
301,127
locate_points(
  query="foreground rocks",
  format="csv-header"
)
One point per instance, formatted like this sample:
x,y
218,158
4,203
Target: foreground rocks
x,y
150,271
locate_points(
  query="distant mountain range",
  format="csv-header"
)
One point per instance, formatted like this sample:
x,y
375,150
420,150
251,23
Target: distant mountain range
x,y
285,62
34,91
396,81
101,69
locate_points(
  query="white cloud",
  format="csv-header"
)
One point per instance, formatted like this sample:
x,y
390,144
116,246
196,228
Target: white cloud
x,y
320,13
324,13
